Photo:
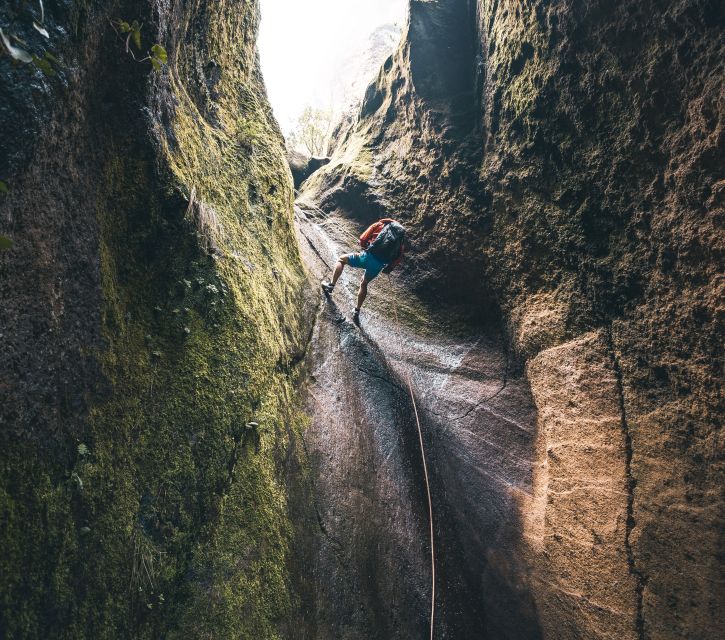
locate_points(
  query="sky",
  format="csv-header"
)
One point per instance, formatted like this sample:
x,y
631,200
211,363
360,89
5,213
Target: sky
x,y
302,41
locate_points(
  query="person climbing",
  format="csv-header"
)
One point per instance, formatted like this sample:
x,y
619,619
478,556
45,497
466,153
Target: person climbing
x,y
383,244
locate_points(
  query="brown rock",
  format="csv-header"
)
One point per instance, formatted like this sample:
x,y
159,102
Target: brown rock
x,y
562,164
583,582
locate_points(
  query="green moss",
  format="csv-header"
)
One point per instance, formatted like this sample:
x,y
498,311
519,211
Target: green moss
x,y
194,342
362,167
175,522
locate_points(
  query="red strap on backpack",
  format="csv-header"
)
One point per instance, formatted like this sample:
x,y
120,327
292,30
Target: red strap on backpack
x,y
369,235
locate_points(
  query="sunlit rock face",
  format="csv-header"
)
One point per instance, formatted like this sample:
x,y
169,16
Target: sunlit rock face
x,y
561,165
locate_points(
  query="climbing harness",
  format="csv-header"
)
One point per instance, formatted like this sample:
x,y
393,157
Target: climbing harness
x,y
425,468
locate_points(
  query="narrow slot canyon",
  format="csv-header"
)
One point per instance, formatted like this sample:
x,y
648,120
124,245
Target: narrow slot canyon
x,y
199,442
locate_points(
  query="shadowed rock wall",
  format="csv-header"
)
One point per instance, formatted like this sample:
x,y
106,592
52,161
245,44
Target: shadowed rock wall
x,y
561,163
149,312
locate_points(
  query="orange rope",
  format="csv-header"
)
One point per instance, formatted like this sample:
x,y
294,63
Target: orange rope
x,y
420,440
425,469
327,218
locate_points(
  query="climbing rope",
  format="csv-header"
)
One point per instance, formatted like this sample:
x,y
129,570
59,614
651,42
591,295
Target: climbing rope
x,y
425,467
326,217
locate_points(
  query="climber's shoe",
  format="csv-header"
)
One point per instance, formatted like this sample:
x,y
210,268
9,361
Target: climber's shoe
x,y
356,316
328,288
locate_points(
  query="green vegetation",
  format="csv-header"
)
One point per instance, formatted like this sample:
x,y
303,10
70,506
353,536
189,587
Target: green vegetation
x,y
312,132
164,512
132,30
38,53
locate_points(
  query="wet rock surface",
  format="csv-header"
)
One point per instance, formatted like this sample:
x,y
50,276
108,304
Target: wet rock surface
x,y
479,428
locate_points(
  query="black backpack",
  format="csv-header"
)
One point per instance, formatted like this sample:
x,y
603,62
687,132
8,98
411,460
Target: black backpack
x,y
386,247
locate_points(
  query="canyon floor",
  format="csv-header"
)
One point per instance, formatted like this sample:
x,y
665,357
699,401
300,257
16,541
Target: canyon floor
x,y
370,562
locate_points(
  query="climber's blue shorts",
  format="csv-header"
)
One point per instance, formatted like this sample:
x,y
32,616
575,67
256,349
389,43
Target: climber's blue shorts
x,y
367,261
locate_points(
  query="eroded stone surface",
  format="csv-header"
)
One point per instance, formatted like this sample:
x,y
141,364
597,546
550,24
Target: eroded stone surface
x,y
562,163
478,424
585,584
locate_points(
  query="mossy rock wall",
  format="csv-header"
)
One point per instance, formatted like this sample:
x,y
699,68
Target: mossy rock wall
x,y
150,312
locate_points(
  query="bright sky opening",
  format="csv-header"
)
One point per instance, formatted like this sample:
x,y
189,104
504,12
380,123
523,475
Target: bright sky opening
x,y
302,44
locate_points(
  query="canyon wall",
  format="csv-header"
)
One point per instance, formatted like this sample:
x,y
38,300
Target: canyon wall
x,y
559,164
150,326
